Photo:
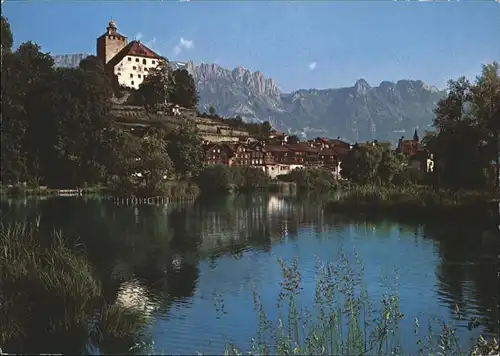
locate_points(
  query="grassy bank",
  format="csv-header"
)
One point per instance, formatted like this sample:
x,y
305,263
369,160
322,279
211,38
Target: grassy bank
x,y
173,190
26,190
49,291
413,201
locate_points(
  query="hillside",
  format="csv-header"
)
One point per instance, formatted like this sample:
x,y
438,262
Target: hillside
x,y
356,113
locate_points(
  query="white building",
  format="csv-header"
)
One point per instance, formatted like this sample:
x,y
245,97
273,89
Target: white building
x,y
130,62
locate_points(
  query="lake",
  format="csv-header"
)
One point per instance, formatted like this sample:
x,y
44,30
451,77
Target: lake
x,y
195,265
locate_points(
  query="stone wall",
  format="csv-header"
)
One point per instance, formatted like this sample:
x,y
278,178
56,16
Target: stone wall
x,y
213,131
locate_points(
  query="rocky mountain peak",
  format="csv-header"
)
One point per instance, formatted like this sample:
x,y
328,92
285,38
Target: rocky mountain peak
x,y
255,82
384,112
361,86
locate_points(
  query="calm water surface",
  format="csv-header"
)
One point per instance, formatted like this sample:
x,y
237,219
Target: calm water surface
x,y
196,264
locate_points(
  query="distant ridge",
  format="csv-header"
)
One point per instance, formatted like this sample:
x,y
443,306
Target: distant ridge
x,y
358,113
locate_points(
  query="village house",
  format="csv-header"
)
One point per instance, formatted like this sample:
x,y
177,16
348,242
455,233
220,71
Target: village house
x,y
130,62
420,158
277,159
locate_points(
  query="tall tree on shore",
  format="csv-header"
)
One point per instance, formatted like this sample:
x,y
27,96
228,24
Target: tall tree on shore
x,y
155,90
185,148
361,164
467,123
184,89
22,71
70,114
6,38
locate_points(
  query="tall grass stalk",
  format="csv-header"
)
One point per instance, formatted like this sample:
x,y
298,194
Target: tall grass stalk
x,y
343,321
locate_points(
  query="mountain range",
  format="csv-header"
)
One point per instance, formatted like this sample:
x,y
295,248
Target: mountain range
x,y
358,113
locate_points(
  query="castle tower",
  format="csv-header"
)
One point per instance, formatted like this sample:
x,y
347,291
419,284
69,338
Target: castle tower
x,y
415,136
110,43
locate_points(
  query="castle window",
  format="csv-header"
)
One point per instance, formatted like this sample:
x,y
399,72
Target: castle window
x,y
143,61
131,75
132,82
138,75
137,59
118,73
129,59
134,67
146,69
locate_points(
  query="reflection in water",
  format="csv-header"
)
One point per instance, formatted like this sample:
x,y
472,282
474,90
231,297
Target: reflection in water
x,y
132,294
185,264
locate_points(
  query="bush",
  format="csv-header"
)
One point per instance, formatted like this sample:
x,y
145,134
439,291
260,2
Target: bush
x,y
411,201
246,178
311,178
215,179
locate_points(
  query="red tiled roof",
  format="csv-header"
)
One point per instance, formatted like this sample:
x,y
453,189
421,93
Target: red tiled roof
x,y
409,147
134,48
328,152
276,148
302,147
337,142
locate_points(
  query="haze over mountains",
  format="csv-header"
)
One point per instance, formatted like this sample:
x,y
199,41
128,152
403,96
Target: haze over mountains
x,y
358,113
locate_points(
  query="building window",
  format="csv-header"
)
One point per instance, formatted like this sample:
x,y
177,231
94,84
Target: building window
x,y
129,59
143,61
134,67
118,73
146,69
132,82
131,75
138,75
137,59
153,62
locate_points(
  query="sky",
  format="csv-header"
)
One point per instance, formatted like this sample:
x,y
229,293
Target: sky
x,y
301,44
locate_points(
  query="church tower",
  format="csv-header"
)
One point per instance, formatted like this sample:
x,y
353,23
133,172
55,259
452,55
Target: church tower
x,y
110,43
415,136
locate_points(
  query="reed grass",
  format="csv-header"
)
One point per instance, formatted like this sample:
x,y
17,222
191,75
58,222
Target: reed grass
x,y
343,320
49,288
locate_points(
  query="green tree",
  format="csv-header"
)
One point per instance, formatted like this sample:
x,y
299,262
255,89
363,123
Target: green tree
x,y
185,148
122,161
311,178
466,141
6,38
154,92
92,63
184,90
486,98
22,71
248,178
361,163
214,179
211,110
69,114
392,164
154,165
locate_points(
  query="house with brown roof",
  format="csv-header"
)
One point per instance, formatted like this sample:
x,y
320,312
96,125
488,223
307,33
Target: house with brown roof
x,y
409,147
419,156
130,62
216,153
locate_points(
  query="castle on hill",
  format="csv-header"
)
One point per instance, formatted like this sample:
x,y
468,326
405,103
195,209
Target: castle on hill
x,y
129,61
